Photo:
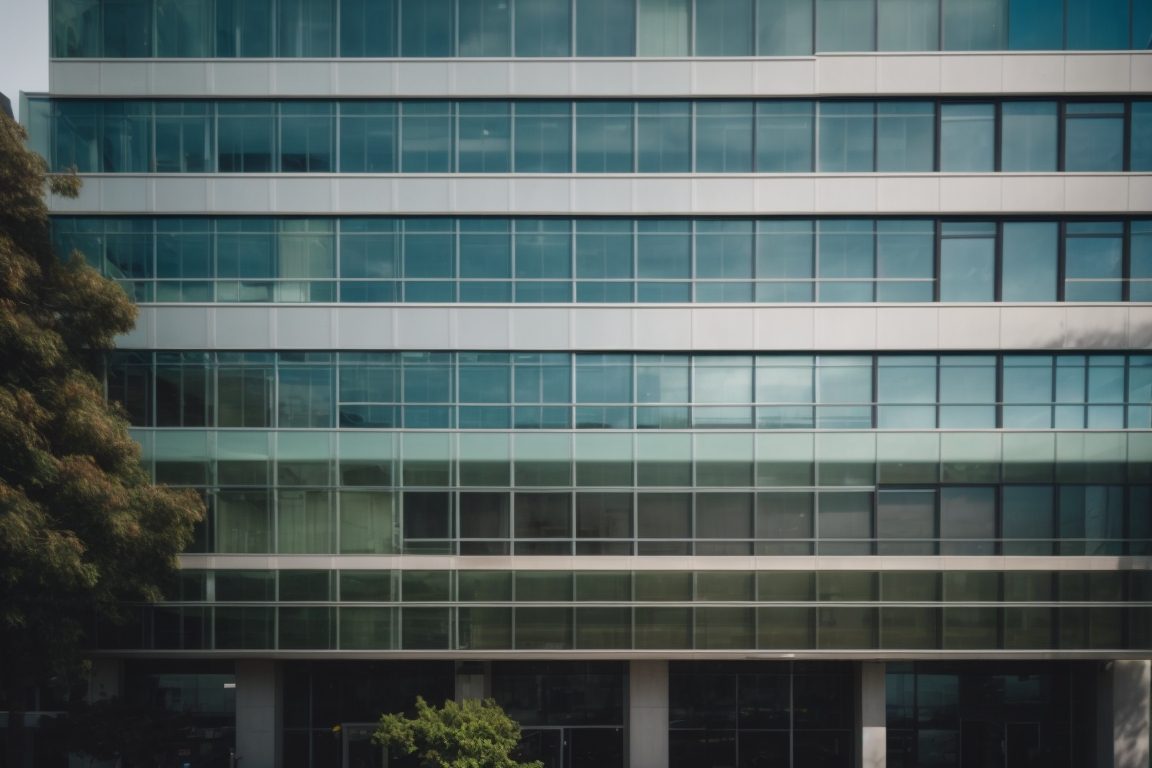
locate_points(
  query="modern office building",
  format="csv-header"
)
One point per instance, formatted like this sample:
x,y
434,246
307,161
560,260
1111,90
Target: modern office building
x,y
712,382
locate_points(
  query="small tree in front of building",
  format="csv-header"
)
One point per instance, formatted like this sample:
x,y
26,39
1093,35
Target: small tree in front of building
x,y
469,734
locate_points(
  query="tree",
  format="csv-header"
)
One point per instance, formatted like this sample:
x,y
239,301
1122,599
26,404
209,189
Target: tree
x,y
471,734
82,528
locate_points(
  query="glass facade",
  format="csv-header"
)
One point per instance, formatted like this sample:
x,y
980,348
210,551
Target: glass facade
x,y
584,28
615,261
624,136
480,611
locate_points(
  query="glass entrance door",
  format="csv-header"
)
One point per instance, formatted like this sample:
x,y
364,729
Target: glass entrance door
x,y
359,751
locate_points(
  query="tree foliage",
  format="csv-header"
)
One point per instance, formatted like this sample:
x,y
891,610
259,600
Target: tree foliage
x,y
82,528
471,734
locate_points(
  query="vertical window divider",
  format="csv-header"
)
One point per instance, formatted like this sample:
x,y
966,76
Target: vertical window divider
x,y
998,261
1061,255
1126,266
1061,120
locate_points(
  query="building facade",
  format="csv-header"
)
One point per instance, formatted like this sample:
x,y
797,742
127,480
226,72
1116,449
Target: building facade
x,y
712,382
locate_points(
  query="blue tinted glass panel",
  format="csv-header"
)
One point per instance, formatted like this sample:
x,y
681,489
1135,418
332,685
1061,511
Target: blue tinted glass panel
x,y
1093,262
784,256
603,249
245,136
429,248
664,136
183,28
909,25
784,27
127,29
306,139
974,25
784,136
485,248
663,249
1098,25
1094,137
307,28
425,28
126,142
605,28
905,260
1142,26
723,249
244,28
663,27
967,264
543,137
75,28
845,25
543,28
845,260
724,28
723,137
367,137
183,137
905,136
1141,135
1029,261
1140,257
485,28
1036,25
846,136
484,136
426,137
1028,135
603,137
367,28
967,137
543,249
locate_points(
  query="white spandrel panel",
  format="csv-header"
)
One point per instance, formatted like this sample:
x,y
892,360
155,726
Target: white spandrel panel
x,y
878,74
673,328
612,195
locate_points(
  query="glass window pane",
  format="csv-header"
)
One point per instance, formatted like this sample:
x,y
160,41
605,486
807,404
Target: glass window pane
x,y
905,136
1036,25
723,137
784,27
543,137
543,28
845,25
484,136
846,134
603,137
1141,133
244,28
368,28
485,28
1028,135
663,26
426,131
724,28
1029,261
183,28
605,28
367,137
246,136
967,137
664,136
784,136
968,521
1098,25
307,28
967,268
974,25
1094,137
909,25
425,28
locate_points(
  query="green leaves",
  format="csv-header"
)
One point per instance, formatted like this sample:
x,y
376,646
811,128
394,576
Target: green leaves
x,y
82,530
471,734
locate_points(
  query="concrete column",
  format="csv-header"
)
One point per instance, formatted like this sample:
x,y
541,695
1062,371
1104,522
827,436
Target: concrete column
x,y
1129,681
647,731
257,713
871,714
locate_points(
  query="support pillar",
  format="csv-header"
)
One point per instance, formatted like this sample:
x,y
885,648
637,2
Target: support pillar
x,y
257,700
647,731
1129,682
871,714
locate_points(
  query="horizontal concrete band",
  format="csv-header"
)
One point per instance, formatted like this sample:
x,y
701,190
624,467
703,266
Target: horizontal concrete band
x,y
670,655
613,195
679,328
683,563
988,73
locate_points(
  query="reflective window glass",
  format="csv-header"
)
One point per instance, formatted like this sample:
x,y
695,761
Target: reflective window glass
x,y
1094,137
663,136
543,28
543,137
974,25
784,27
1028,135
605,28
1035,25
1098,24
967,261
425,28
905,136
1029,261
845,25
484,28
724,137
663,26
846,134
967,137
604,137
724,28
908,25
784,136
368,28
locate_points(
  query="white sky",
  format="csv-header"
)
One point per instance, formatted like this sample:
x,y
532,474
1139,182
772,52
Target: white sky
x,y
23,48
